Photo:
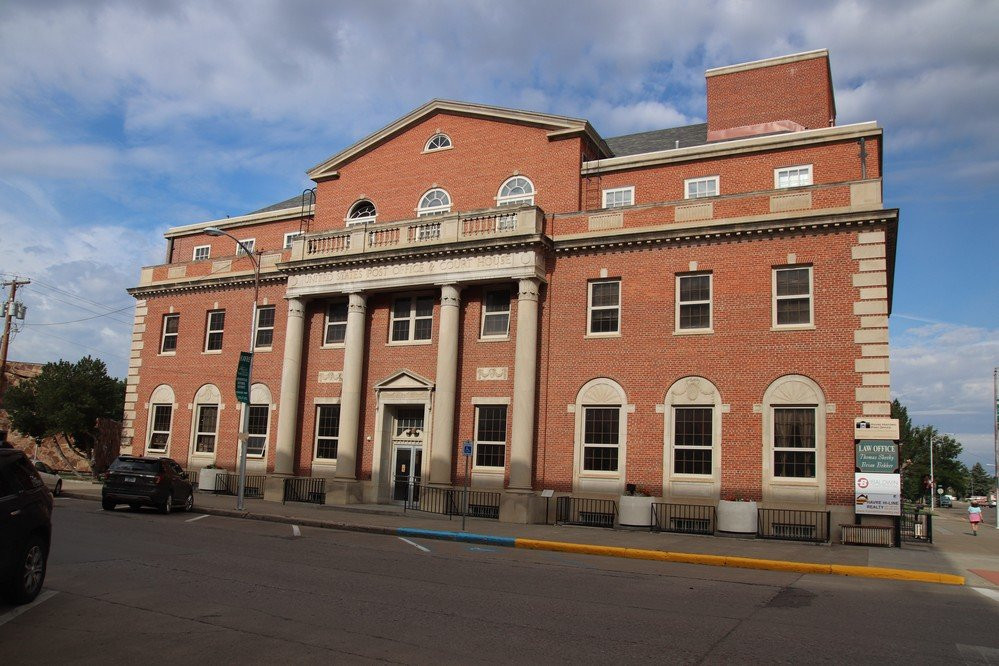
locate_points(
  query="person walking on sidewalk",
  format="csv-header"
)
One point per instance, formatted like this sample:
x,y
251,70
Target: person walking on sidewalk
x,y
974,517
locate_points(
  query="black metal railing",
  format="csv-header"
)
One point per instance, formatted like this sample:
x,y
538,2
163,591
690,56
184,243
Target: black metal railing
x,y
585,511
228,484
684,518
916,527
305,489
792,525
450,501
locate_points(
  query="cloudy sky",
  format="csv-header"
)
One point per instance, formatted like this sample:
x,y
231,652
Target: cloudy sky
x,y
119,119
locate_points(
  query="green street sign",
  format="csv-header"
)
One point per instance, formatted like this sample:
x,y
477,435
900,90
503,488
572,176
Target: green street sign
x,y
877,456
243,377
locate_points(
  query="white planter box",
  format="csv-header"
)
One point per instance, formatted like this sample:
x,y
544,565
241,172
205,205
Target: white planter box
x,y
207,478
635,511
739,517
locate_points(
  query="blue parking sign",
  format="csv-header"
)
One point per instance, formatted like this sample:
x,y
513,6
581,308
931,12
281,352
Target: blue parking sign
x,y
466,447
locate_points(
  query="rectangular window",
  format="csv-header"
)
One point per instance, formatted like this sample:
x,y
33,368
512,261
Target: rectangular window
x,y
265,327
792,296
202,252
697,188
290,237
796,176
327,431
159,434
171,329
214,329
693,295
490,436
601,432
794,442
619,197
412,319
605,307
206,428
256,444
496,314
692,440
249,243
336,323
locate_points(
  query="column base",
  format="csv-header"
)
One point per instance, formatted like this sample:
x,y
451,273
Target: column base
x,y
274,487
344,491
522,506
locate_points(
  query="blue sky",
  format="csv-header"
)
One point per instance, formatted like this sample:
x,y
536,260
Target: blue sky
x,y
119,119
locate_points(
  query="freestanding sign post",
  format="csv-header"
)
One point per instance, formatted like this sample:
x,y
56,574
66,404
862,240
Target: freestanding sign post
x,y
466,450
877,484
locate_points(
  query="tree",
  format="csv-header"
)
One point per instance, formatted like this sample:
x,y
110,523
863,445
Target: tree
x,y
980,482
915,457
66,399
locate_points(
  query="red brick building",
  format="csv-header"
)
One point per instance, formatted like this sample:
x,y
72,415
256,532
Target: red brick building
x,y
700,311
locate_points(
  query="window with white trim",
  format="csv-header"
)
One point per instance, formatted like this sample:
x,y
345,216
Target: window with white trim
x,y
516,191
496,314
601,437
362,212
265,327
159,431
206,428
604,305
490,436
434,202
290,237
439,141
697,188
202,252
693,298
248,243
258,425
214,329
692,440
619,197
796,176
412,319
171,331
336,323
792,297
327,431
794,442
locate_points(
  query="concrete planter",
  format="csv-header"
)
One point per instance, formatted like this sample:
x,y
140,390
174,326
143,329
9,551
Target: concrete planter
x,y
635,511
737,517
208,478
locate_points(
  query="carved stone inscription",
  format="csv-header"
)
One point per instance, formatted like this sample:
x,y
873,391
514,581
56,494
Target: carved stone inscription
x,y
488,374
330,377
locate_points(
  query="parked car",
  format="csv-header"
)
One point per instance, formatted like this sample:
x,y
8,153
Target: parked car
x,y
52,480
25,527
946,502
156,482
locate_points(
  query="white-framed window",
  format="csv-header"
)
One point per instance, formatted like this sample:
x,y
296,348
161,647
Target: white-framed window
x,y
265,327
693,301
692,440
793,305
335,330
362,212
795,176
439,141
248,243
496,314
794,445
206,428
434,202
327,431
159,431
171,331
516,191
490,436
696,188
794,440
202,252
601,437
290,237
692,432
259,425
619,197
214,328
604,307
601,434
412,319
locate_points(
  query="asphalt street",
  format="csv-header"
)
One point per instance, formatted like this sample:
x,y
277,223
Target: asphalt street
x,y
128,587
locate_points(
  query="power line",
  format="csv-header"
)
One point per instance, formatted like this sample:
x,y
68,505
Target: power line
x,y
60,323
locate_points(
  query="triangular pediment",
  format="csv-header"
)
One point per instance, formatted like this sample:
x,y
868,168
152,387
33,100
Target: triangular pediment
x,y
404,380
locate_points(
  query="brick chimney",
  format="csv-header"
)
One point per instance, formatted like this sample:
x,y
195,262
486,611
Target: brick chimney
x,y
783,94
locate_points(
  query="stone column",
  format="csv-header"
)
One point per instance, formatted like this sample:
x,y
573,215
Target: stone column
x,y
524,385
350,394
291,381
442,444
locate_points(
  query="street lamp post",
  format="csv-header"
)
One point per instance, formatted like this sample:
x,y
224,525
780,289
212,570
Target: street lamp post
x,y
933,481
244,435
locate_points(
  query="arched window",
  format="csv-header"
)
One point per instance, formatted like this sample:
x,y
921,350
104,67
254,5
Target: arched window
x,y
438,141
516,191
692,459
204,431
794,441
259,421
362,212
161,405
601,437
434,202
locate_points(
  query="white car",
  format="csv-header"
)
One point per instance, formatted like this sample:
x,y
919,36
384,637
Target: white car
x,y
52,480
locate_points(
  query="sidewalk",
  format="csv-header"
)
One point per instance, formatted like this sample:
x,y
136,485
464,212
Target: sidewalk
x,y
954,552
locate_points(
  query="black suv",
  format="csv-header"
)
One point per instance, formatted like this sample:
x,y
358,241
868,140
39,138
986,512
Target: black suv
x,y
158,482
25,527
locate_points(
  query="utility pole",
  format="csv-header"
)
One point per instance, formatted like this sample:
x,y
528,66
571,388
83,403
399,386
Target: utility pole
x,y
8,315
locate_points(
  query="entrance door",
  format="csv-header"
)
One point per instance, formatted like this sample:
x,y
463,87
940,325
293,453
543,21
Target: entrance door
x,y
407,453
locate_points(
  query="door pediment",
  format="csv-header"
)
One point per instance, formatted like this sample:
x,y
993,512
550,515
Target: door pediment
x,y
404,380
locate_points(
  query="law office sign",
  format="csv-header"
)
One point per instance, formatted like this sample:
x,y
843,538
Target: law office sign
x,y
877,456
877,494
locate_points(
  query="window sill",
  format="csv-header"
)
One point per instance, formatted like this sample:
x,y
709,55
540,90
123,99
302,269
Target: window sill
x,y
334,345
324,462
437,150
694,331
262,349
212,351
203,454
169,353
590,474
408,343
794,327
495,338
598,336
489,470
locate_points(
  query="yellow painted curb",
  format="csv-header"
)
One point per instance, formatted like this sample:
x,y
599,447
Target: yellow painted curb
x,y
741,562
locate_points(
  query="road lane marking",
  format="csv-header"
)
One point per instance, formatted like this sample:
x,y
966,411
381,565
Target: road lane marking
x,y
988,592
191,520
10,615
295,531
415,545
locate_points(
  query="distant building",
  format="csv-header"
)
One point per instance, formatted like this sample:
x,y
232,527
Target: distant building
x,y
700,311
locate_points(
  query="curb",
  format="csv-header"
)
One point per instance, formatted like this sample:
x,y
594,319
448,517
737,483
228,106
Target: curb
x,y
586,549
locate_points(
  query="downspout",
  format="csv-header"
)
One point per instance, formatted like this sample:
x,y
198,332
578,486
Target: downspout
x,y
863,158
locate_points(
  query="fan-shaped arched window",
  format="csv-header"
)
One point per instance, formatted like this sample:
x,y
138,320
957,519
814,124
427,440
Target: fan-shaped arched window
x,y
362,212
438,141
434,202
516,191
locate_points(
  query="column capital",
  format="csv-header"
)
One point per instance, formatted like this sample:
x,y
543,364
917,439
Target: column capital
x,y
357,301
451,294
296,307
528,289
